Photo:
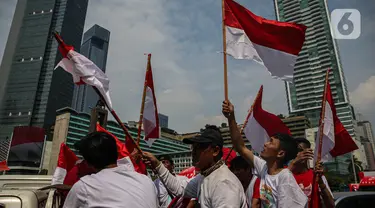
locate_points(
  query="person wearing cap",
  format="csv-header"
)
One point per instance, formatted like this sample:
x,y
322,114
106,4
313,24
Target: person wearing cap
x,y
165,198
216,185
110,185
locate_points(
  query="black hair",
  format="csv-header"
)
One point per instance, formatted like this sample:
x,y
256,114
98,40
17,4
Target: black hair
x,y
304,141
239,163
213,127
99,149
289,145
166,157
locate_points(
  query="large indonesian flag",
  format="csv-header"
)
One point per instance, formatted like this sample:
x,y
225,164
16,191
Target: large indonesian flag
x,y
261,125
336,140
83,70
150,113
271,43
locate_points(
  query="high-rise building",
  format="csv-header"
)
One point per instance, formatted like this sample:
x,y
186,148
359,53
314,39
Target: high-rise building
x,y
163,120
31,90
297,125
319,53
95,47
367,131
369,151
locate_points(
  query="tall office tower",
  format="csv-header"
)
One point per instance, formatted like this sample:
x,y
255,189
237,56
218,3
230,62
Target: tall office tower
x,y
163,120
30,90
318,54
95,47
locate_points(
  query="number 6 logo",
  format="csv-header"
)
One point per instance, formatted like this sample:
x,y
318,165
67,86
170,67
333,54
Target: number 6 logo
x,y
346,23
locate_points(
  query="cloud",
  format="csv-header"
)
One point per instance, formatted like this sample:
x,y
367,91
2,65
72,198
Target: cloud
x,y
363,97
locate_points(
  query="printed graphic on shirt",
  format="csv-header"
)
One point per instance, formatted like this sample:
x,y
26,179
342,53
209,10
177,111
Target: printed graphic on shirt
x,y
306,190
266,196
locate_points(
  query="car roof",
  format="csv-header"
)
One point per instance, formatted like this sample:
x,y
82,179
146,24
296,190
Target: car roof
x,y
337,195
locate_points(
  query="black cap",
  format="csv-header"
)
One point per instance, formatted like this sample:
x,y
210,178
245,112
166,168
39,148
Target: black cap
x,y
208,136
166,157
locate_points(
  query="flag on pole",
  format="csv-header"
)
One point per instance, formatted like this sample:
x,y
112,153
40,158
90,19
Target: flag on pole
x,y
4,166
261,125
273,44
83,70
124,153
65,162
150,114
336,139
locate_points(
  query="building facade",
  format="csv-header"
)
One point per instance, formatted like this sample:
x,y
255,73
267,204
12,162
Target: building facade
x,y
319,53
95,47
163,120
367,131
369,151
297,125
31,90
71,126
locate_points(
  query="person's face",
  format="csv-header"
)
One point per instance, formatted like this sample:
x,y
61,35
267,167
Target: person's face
x,y
271,150
302,146
203,155
244,175
167,164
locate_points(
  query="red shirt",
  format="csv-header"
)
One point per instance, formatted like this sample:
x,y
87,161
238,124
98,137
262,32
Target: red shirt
x,y
305,181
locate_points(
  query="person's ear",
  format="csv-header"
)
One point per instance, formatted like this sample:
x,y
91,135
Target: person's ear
x,y
216,151
281,154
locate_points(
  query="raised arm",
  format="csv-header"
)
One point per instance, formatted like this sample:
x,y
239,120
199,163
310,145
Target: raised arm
x,y
235,134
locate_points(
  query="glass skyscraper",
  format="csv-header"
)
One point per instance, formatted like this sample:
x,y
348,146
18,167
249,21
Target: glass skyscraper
x,y
95,47
30,90
319,53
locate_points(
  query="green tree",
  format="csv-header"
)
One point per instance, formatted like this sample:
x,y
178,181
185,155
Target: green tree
x,y
357,166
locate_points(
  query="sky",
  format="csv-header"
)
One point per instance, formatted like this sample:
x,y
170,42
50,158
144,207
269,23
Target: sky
x,y
185,40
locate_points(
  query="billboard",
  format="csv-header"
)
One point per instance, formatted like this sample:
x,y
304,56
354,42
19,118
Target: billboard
x,y
26,148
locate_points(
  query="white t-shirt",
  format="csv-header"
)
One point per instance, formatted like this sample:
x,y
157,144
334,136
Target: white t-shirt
x,y
249,191
113,187
280,190
164,198
220,189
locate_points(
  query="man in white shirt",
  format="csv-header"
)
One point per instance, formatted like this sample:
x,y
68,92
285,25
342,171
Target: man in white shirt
x,y
165,197
250,182
112,185
278,188
216,186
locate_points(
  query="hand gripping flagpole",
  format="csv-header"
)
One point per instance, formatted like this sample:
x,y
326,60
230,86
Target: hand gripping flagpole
x,y
224,51
320,144
246,119
143,100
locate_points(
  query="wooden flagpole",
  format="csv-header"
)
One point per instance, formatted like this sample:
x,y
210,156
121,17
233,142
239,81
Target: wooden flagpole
x,y
224,51
143,100
245,122
320,143
319,157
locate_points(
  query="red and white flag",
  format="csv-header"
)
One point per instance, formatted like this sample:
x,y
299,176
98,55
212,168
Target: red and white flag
x,y
65,162
336,140
261,125
124,153
150,114
4,166
273,44
83,70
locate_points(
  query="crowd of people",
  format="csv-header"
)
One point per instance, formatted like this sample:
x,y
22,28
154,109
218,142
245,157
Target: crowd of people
x,y
281,176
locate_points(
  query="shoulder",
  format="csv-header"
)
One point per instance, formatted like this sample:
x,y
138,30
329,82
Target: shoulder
x,y
286,176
